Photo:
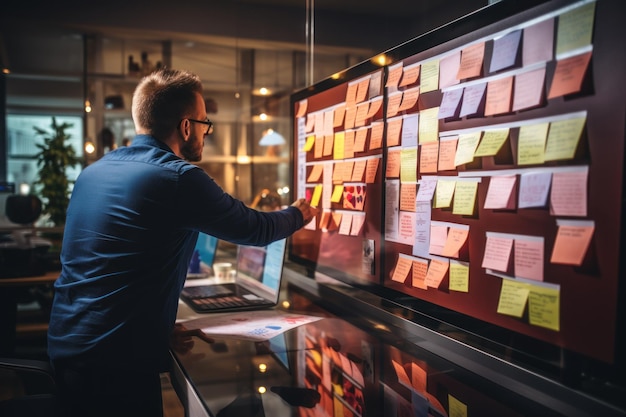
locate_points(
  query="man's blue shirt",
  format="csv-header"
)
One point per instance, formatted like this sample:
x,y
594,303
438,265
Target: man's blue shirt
x,y
131,227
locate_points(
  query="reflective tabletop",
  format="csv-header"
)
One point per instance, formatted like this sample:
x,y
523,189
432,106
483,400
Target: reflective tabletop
x,y
345,364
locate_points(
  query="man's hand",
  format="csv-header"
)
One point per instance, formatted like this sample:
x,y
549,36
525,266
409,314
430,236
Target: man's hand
x,y
181,341
308,212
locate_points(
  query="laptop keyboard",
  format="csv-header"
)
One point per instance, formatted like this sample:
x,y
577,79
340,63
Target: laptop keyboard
x,y
216,297
207,304
206,291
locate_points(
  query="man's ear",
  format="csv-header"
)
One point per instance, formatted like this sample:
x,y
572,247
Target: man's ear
x,y
185,129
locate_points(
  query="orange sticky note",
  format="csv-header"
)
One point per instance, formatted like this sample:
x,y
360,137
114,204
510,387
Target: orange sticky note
x,y
471,61
568,75
361,114
302,105
360,136
339,113
394,127
429,153
393,103
407,196
420,268
350,117
393,163
499,96
409,98
403,267
418,377
403,378
325,218
410,74
455,241
371,170
436,272
316,173
359,170
376,139
447,154
375,105
572,241
328,145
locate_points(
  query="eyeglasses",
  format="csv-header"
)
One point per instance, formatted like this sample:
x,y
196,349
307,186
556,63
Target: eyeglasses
x,y
207,122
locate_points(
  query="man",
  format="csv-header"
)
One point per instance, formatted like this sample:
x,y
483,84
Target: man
x,y
131,227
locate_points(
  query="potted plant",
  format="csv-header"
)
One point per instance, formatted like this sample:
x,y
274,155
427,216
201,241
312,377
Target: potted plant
x,y
54,157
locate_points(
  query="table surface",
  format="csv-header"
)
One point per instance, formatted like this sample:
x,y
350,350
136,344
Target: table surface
x,y
47,278
341,365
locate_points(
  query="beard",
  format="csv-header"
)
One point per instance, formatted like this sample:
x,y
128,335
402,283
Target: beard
x,y
192,150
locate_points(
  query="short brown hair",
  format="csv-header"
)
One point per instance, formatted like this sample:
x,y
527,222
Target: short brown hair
x,y
162,99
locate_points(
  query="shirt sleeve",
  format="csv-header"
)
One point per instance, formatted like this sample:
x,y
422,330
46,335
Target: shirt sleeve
x,y
202,205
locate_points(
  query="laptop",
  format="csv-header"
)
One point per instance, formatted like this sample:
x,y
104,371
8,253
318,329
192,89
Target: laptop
x,y
258,277
204,255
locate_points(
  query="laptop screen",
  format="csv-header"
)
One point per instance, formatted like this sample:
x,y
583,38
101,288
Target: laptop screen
x,y
206,247
260,269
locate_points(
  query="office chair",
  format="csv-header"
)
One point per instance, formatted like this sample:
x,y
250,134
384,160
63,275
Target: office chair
x,y
27,388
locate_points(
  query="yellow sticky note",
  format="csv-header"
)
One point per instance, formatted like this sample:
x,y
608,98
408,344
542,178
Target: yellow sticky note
x,y
466,147
408,165
337,193
544,307
456,408
464,197
428,125
310,141
338,147
317,194
531,144
575,28
459,276
513,297
563,138
430,76
492,142
444,193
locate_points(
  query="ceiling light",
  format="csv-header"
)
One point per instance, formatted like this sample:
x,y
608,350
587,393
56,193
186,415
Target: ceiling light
x,y
272,138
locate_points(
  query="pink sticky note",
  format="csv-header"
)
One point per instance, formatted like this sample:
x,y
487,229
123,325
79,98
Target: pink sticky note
x,y
448,70
497,253
538,42
500,194
568,196
529,89
528,258
438,237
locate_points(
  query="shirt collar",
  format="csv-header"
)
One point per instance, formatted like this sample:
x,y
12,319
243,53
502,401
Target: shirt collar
x,y
150,141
